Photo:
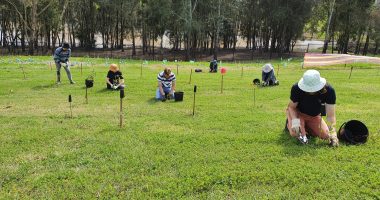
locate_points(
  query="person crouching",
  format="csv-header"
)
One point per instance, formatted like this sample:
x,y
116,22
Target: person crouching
x,y
114,78
304,109
267,75
166,85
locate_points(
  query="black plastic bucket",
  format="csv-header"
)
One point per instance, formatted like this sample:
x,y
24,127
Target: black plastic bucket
x,y
178,96
256,81
89,83
353,132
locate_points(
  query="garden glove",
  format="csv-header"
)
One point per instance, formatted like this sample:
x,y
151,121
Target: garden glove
x,y
334,141
296,125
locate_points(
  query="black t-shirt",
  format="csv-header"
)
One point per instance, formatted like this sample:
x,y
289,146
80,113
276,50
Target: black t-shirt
x,y
311,104
114,77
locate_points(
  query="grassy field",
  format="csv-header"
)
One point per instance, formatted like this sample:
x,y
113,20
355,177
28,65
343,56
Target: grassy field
x,y
233,148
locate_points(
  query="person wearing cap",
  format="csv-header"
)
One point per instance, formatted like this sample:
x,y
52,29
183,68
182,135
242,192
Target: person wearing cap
x,y
114,79
214,66
304,109
61,56
166,85
267,75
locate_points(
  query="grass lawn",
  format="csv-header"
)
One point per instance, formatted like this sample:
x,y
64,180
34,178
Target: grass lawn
x,y
232,148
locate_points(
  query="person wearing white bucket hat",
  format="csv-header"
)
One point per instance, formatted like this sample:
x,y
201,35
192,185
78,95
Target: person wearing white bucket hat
x,y
267,75
304,109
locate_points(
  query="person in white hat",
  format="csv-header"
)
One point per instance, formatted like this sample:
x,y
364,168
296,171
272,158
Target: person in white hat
x,y
304,109
267,75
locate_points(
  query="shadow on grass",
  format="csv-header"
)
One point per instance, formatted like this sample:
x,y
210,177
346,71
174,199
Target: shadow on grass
x,y
103,90
292,147
41,87
153,100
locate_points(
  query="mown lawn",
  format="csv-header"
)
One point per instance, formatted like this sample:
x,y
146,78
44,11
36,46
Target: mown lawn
x,y
233,148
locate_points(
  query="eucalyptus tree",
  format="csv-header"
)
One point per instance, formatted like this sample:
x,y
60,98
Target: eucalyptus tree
x,y
29,12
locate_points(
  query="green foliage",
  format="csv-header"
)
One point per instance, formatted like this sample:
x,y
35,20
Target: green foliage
x,y
231,148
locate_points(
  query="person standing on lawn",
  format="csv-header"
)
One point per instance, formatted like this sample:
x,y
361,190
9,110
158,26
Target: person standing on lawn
x,y
61,57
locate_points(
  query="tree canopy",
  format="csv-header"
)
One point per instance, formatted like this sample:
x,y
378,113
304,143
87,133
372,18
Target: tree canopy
x,y
191,25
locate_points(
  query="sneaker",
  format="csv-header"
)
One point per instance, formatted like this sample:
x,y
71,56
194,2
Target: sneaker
x,y
303,139
58,82
72,82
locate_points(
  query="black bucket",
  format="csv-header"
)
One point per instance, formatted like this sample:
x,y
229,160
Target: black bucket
x,y
178,96
256,81
89,82
353,132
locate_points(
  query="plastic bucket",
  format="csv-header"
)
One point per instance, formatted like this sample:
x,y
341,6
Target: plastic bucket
x,y
89,83
256,81
353,132
178,96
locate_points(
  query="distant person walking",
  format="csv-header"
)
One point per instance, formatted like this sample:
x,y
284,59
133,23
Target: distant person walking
x,y
304,109
166,85
61,57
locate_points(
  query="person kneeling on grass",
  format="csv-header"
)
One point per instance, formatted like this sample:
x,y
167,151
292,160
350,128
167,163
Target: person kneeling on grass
x,y
214,66
267,75
115,78
304,109
166,85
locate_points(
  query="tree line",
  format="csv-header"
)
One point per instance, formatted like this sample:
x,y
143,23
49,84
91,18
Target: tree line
x,y
191,25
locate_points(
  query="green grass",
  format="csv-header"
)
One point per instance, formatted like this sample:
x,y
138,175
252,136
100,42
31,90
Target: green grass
x,y
231,148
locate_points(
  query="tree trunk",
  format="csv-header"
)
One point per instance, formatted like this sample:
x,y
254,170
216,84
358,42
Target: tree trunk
x,y
365,50
133,41
327,36
358,43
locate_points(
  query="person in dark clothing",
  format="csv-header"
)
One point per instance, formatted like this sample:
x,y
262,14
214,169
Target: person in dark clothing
x,y
214,66
304,109
115,79
61,56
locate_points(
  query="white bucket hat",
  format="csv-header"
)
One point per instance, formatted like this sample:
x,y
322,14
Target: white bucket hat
x,y
267,68
311,81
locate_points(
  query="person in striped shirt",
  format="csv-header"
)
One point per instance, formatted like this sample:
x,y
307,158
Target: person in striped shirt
x,y
61,57
166,85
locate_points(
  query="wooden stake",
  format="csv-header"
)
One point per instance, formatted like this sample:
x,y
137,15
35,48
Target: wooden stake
x,y
141,69
254,95
86,96
278,70
22,68
121,112
51,68
351,72
81,69
221,87
177,69
191,73
242,71
195,91
121,107
71,110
